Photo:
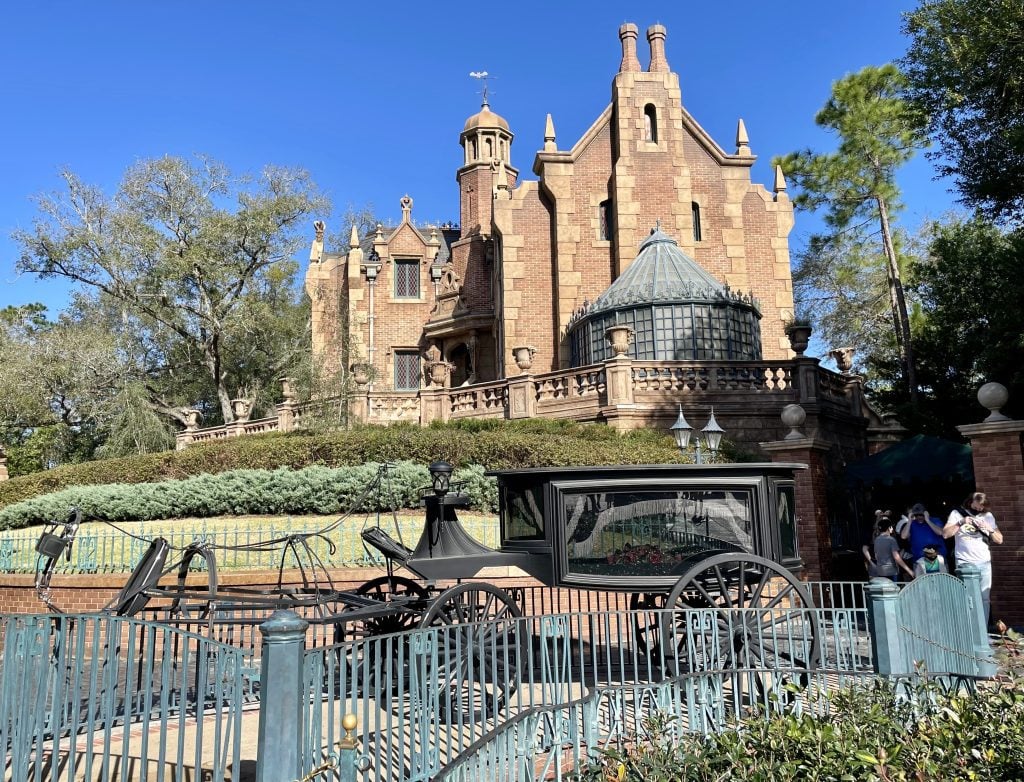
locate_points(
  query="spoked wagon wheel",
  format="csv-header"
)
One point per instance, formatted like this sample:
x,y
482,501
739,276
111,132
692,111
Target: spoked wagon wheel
x,y
646,621
481,650
760,619
379,663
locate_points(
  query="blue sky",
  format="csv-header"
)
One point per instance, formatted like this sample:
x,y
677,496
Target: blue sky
x,y
371,99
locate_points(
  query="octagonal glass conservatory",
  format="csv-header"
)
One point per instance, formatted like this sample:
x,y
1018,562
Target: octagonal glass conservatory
x,y
677,311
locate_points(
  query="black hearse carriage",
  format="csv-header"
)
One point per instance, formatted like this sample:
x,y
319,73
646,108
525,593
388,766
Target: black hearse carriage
x,y
715,537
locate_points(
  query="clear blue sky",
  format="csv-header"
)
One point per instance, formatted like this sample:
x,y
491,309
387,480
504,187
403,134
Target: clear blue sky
x,y
370,98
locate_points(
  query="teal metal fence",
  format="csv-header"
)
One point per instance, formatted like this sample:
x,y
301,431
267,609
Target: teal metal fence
x,y
423,697
107,550
105,698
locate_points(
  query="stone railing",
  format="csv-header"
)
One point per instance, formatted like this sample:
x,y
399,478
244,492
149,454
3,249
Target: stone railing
x,y
621,392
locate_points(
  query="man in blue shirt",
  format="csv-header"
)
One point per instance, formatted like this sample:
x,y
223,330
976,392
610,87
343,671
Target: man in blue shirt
x,y
923,530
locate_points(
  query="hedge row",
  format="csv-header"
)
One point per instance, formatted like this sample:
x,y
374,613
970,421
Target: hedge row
x,y
313,490
492,444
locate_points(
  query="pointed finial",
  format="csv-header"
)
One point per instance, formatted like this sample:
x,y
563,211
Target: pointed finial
x,y
549,135
353,237
657,224
406,203
501,180
742,140
780,180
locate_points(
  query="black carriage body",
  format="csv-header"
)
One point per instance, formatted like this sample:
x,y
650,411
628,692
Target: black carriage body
x,y
638,528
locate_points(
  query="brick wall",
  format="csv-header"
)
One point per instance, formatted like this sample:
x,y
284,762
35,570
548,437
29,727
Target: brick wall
x,y
998,453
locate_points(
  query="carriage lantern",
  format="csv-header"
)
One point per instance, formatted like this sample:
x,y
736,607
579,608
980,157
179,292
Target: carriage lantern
x,y
440,477
682,431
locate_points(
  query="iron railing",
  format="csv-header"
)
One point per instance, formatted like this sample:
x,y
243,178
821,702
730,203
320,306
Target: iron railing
x,y
99,697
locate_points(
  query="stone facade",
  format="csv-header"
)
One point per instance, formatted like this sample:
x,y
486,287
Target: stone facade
x,y
529,254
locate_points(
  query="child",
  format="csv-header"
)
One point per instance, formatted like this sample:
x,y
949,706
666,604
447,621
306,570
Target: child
x,y
931,562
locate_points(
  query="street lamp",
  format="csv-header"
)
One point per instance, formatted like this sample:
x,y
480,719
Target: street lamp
x,y
440,477
712,433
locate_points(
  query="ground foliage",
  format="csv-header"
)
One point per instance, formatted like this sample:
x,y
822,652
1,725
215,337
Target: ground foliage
x,y
491,444
863,733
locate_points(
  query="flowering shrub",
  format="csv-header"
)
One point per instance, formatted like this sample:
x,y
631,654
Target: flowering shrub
x,y
646,554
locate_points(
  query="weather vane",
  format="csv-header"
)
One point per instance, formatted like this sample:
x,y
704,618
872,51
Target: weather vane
x,y
482,76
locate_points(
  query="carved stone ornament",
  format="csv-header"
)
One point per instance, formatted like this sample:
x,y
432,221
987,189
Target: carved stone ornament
x,y
620,338
523,356
361,374
241,409
192,419
288,390
799,337
439,372
843,358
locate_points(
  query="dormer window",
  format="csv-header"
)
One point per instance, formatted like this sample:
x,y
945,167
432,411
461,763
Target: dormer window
x,y
650,123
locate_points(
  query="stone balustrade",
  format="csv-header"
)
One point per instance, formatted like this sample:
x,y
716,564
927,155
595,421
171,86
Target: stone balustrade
x,y
622,392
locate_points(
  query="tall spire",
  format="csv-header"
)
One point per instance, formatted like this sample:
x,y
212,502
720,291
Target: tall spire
x,y
549,136
742,140
627,35
780,181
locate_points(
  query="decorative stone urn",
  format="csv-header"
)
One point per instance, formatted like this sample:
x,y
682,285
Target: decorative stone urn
x,y
241,409
288,390
360,374
438,372
523,356
620,337
799,334
843,358
192,419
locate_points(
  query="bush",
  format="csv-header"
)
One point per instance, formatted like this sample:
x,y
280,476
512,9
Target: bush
x,y
492,444
864,733
313,490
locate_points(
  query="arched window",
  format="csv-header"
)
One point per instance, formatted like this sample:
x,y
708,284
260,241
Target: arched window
x,y
488,149
604,211
650,123
472,146
695,207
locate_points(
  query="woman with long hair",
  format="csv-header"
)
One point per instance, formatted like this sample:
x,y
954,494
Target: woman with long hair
x,y
974,528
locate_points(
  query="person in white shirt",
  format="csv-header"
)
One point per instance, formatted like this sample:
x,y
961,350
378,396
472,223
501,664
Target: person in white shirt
x,y
975,530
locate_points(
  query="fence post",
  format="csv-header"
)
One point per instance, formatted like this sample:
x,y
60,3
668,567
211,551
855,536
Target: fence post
x,y
279,752
981,647
884,624
348,756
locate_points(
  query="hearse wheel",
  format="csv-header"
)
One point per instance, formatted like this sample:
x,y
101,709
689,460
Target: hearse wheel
x,y
381,664
646,621
761,617
481,650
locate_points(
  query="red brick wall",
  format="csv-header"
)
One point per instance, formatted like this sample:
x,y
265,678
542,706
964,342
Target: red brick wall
x,y
999,472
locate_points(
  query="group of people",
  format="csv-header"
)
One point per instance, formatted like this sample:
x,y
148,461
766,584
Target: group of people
x,y
916,544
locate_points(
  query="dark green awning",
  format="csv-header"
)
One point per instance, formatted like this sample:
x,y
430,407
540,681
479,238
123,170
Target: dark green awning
x,y
919,458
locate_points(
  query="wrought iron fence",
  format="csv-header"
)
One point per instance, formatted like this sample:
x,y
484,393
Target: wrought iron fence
x,y
424,697
113,551
99,697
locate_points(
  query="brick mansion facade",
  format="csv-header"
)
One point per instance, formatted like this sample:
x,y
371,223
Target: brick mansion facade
x,y
640,270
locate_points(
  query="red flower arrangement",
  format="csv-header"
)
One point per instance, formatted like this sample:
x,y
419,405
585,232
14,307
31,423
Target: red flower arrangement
x,y
645,554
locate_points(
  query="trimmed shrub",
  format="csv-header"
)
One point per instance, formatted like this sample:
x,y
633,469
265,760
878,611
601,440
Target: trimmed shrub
x,y
493,444
863,733
313,490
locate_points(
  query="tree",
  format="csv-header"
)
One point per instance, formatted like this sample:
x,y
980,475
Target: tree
x,y
192,268
972,327
856,185
965,71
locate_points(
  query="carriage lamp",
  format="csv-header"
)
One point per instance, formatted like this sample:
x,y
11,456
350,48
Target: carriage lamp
x,y
440,477
683,432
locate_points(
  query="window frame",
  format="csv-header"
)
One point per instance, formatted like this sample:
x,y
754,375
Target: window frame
x,y
405,264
